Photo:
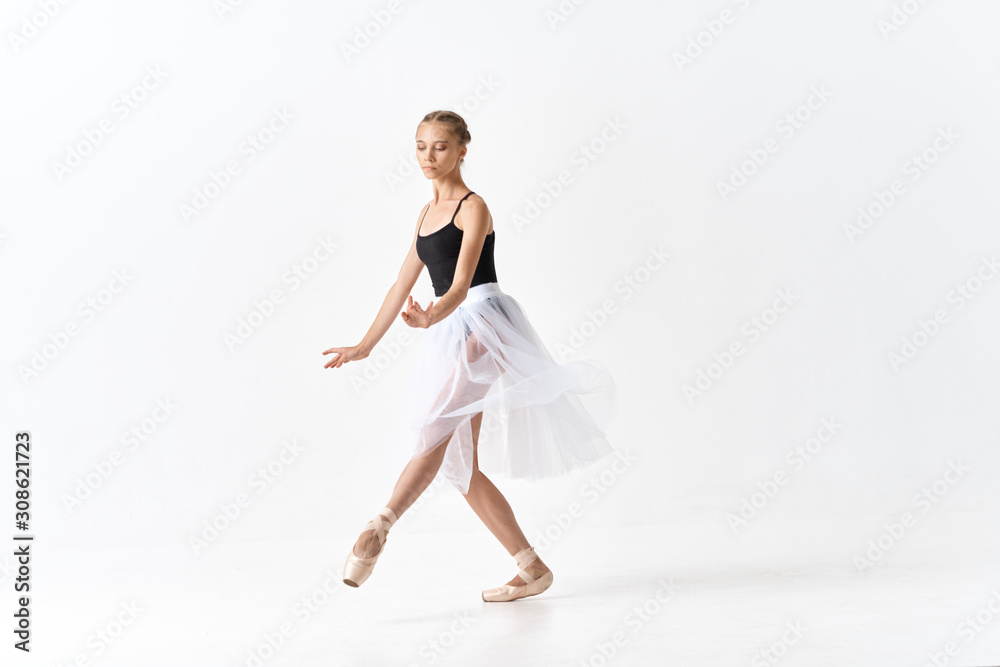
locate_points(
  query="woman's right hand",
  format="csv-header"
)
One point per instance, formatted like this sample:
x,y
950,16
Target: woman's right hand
x,y
344,354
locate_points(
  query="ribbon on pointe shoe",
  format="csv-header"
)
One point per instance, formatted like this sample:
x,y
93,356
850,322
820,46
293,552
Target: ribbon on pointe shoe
x,y
524,558
378,521
532,586
358,569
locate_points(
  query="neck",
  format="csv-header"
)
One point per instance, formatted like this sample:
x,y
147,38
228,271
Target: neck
x,y
448,190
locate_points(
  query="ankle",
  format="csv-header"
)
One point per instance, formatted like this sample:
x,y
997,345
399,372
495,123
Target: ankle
x,y
536,569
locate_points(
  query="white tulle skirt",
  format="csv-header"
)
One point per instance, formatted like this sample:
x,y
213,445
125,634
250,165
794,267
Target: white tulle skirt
x,y
540,418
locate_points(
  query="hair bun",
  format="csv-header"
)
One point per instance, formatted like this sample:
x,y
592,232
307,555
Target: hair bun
x,y
451,120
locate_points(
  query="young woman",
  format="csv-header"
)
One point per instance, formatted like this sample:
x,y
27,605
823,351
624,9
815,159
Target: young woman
x,y
480,355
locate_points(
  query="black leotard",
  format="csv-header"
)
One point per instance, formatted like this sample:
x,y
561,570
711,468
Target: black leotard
x,y
439,253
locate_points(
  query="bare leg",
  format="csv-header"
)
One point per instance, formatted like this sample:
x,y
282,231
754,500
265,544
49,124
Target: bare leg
x,y
493,509
484,498
413,481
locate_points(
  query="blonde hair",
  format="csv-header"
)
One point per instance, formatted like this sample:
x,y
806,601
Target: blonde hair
x,y
454,123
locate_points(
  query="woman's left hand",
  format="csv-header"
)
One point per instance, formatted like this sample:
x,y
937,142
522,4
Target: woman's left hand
x,y
415,316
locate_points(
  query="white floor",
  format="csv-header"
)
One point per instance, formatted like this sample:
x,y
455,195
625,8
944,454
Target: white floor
x,y
653,595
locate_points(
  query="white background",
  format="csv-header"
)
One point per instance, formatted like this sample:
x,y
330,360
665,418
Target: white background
x,y
535,93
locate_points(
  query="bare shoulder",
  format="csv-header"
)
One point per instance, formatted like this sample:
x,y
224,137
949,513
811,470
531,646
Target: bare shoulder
x,y
476,209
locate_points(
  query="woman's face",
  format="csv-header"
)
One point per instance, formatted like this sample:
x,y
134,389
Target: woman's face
x,y
438,151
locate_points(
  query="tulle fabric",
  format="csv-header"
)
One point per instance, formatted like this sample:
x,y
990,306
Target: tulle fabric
x,y
540,418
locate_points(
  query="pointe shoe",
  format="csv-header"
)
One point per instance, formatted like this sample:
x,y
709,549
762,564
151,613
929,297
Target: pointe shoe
x,y
532,586
356,568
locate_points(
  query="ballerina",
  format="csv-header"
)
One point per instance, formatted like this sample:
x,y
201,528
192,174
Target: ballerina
x,y
481,354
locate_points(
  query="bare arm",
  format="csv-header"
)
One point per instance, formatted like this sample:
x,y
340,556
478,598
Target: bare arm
x,y
394,298
393,302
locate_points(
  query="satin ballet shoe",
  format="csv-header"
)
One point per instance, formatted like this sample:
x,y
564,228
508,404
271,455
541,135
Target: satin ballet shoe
x,y
532,586
356,568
